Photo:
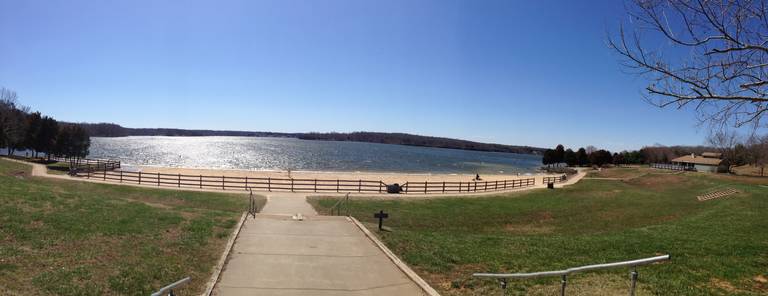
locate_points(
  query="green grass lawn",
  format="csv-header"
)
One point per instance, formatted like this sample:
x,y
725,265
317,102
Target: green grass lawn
x,y
619,173
717,247
62,237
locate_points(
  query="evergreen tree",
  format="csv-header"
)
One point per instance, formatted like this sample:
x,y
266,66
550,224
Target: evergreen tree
x,y
46,136
15,127
34,121
81,142
548,157
600,157
570,158
582,157
63,142
559,155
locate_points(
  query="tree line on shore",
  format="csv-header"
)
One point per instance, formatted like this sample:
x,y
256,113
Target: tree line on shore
x,y
21,129
581,157
417,140
735,151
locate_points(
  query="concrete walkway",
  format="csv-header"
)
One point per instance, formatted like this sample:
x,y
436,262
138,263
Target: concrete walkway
x,y
274,254
285,203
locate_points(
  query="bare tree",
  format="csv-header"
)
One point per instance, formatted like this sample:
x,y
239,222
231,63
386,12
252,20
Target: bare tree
x,y
12,123
758,152
713,56
725,141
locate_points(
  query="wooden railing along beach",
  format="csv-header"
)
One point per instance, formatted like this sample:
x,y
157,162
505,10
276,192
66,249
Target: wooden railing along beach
x,y
106,170
237,183
89,164
466,187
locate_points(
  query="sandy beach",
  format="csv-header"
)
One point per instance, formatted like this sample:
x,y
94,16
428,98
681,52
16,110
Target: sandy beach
x,y
386,177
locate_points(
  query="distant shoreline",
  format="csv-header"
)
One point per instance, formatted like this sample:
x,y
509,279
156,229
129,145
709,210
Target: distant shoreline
x,y
109,130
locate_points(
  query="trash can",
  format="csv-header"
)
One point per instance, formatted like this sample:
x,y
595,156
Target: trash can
x,y
394,188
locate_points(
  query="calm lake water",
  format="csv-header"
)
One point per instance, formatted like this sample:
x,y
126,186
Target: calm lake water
x,y
302,155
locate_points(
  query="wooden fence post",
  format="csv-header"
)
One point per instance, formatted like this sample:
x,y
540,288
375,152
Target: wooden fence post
x,y
179,180
359,185
121,176
139,177
246,182
315,185
291,184
443,186
337,185
158,179
222,183
105,174
269,184
201,181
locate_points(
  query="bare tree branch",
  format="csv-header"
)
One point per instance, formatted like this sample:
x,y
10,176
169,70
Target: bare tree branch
x,y
717,56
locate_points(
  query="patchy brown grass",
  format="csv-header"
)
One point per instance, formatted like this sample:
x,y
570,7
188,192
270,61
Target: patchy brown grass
x,y
659,182
458,281
529,228
751,170
742,179
589,284
618,173
723,285
59,237
595,221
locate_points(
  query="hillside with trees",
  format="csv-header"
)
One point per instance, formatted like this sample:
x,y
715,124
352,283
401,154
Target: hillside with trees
x,y
115,130
416,140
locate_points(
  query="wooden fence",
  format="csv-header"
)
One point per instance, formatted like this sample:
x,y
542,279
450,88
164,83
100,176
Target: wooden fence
x,y
88,164
548,180
106,170
298,185
465,187
669,166
237,183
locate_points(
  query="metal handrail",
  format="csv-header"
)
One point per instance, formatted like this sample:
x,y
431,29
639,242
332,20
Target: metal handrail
x,y
168,290
503,277
338,204
253,208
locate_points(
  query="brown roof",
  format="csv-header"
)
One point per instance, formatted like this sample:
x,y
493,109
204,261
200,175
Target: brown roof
x,y
698,160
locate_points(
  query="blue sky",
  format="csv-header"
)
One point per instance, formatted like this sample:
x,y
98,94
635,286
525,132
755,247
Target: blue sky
x,y
515,72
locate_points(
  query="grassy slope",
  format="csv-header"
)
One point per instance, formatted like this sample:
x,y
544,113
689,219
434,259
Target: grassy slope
x,y
75,238
718,246
618,173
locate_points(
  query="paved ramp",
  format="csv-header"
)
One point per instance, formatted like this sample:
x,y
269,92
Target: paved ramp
x,y
277,255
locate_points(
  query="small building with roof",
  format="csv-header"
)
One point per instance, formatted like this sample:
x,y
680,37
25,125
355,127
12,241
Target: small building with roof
x,y
707,162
